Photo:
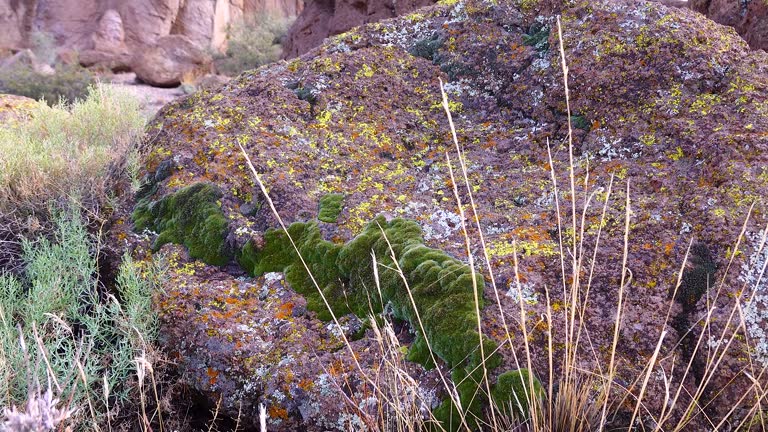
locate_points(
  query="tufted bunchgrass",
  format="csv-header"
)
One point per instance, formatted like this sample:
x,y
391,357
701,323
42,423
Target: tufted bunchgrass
x,y
568,396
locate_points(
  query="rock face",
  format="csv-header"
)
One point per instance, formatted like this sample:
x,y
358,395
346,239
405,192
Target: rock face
x,y
172,59
25,59
111,32
351,141
14,108
748,17
323,18
13,22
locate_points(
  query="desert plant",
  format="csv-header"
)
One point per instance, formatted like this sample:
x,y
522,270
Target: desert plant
x,y
83,149
43,45
61,330
68,82
253,42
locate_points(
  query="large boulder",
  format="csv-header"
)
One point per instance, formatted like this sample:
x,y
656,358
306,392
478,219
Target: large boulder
x,y
109,33
351,142
174,58
748,17
323,18
12,21
15,108
109,47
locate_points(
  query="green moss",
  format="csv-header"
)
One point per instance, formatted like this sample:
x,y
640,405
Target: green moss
x,y
278,255
537,37
427,48
441,287
330,207
192,217
514,390
581,122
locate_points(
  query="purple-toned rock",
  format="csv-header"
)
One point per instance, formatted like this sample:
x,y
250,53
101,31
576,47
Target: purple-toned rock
x,y
173,59
664,103
748,17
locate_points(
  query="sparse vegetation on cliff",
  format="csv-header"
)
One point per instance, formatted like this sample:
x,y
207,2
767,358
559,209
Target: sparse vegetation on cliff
x,y
253,42
65,83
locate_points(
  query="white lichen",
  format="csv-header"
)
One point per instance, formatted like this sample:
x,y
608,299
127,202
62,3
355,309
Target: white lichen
x,y
443,225
756,311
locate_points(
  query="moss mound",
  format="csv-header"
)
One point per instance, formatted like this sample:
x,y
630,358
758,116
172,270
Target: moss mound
x,y
330,207
193,217
441,287
514,390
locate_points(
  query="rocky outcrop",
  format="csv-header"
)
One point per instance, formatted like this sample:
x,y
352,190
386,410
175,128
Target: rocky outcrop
x,y
323,18
351,143
14,21
24,59
14,108
748,17
172,59
111,32
109,44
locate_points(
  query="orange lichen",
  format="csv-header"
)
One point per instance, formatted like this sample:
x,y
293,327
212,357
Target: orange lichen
x,y
278,412
213,376
285,311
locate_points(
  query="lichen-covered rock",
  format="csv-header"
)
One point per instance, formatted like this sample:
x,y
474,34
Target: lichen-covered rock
x,y
252,341
748,17
324,18
15,108
664,102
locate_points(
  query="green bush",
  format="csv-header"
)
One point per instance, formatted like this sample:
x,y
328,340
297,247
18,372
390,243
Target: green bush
x,y
83,149
43,46
59,328
252,43
68,83
67,147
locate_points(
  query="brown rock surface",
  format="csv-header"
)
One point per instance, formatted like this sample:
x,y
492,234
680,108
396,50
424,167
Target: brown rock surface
x,y
323,18
14,108
174,58
13,22
748,17
110,32
665,103
109,47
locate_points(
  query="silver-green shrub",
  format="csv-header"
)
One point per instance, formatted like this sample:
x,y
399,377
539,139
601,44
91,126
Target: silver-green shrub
x,y
61,329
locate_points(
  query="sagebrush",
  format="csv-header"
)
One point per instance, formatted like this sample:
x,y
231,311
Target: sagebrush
x,y
62,331
253,42
82,150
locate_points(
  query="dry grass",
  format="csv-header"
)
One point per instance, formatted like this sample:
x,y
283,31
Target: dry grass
x,y
77,152
576,399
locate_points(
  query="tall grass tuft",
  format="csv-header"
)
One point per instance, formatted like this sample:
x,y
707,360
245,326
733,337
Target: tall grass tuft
x,y
580,391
